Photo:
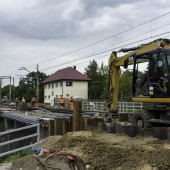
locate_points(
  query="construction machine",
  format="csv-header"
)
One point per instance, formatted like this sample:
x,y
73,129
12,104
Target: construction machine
x,y
151,81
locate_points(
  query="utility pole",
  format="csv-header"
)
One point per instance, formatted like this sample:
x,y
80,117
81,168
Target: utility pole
x,y
37,91
0,90
13,90
10,90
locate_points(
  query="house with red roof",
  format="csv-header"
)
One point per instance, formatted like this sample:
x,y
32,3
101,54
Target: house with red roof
x,y
65,83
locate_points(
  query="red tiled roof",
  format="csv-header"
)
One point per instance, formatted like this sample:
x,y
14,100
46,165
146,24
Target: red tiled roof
x,y
68,73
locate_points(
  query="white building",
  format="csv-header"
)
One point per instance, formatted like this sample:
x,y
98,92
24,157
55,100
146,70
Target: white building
x,y
65,83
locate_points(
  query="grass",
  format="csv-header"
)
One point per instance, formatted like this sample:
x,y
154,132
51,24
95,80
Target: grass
x,y
16,156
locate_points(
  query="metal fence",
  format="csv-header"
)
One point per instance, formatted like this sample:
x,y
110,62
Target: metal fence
x,y
123,107
129,107
94,106
35,135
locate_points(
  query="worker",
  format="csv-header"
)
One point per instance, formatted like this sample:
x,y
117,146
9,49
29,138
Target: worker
x,y
35,102
32,101
23,100
62,101
71,103
16,103
23,105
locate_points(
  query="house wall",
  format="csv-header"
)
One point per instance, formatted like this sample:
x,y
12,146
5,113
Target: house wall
x,y
55,90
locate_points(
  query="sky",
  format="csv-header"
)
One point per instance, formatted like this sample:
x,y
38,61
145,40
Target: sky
x,y
56,34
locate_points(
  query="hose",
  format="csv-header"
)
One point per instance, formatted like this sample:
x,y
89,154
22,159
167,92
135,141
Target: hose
x,y
79,163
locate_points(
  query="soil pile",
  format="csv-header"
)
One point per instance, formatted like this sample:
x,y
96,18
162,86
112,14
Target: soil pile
x,y
103,151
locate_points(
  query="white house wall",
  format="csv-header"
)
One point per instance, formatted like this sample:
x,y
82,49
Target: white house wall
x,y
79,88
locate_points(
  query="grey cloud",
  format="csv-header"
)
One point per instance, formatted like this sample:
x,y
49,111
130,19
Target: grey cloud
x,y
56,19
43,22
47,20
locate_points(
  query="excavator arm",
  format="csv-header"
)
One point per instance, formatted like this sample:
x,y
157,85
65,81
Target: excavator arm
x,y
125,60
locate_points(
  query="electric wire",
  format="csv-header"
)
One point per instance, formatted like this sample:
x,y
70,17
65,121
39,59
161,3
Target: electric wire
x,y
104,39
120,42
127,39
104,51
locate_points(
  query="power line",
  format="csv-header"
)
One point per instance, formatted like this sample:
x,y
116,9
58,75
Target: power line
x,y
105,51
71,52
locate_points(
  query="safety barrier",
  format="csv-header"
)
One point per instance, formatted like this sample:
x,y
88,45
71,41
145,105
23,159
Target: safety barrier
x,y
35,135
123,107
92,105
129,107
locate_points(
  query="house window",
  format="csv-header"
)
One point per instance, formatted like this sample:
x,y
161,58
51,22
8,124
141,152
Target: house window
x,y
45,97
48,85
61,84
52,85
69,83
48,97
56,84
52,93
56,96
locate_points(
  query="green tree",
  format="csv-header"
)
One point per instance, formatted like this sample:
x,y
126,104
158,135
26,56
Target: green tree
x,y
27,86
104,81
5,91
98,84
125,86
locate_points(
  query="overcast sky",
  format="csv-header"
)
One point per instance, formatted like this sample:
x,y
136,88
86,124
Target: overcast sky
x,y
43,31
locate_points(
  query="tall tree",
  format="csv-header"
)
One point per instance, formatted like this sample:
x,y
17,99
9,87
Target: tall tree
x,y
6,91
104,81
27,86
125,86
92,72
98,85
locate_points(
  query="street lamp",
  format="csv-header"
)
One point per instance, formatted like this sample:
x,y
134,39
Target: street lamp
x,y
37,90
23,68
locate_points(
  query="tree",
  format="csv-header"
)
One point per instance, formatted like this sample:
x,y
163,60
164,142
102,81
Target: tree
x,y
98,84
6,91
104,81
27,86
92,70
125,85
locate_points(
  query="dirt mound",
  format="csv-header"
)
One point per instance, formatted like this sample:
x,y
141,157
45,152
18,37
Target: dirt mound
x,y
106,151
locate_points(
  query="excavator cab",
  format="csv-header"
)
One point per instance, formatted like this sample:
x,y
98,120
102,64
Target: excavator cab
x,y
151,74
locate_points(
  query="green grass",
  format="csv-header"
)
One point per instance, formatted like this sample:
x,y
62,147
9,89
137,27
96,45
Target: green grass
x,y
16,156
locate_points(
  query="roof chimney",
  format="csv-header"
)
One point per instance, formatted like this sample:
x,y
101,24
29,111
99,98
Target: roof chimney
x,y
74,67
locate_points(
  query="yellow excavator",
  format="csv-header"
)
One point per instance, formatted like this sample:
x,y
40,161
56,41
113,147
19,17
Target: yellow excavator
x,y
151,81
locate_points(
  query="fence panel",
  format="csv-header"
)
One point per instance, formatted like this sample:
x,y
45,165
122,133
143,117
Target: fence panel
x,y
37,135
123,107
